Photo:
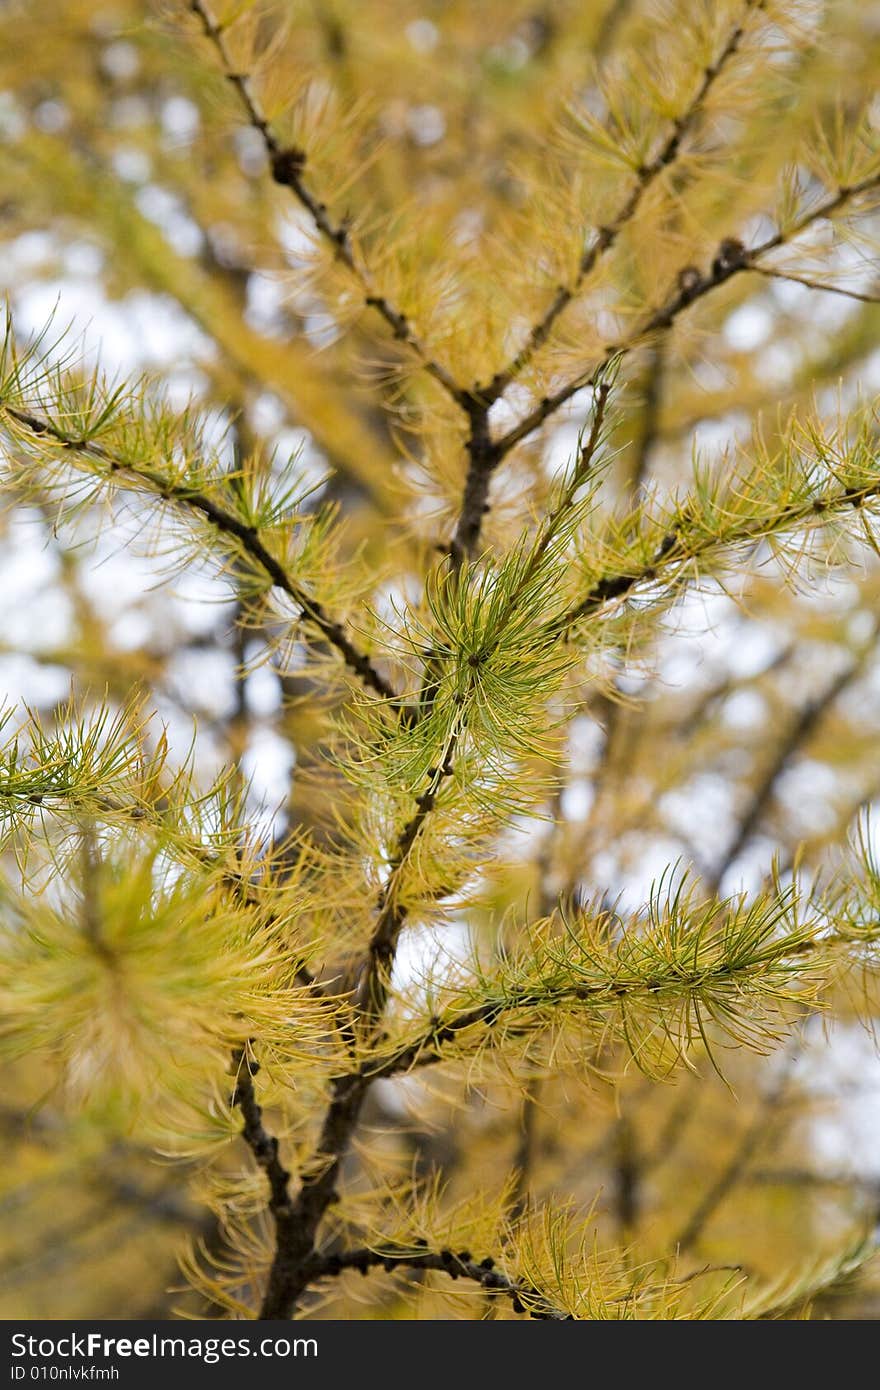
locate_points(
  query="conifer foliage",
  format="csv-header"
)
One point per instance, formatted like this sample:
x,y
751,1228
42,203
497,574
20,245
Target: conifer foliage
x,y
468,906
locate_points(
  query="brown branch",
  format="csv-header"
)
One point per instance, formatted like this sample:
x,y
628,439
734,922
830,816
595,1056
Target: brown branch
x,y
761,1128
482,460
313,611
671,551
801,730
731,259
524,1297
484,453
427,1049
608,234
288,165
482,463
262,1144
771,274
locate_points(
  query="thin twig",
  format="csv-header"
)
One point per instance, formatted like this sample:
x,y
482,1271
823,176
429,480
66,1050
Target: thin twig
x,y
524,1297
771,274
289,1275
313,611
288,165
484,453
608,234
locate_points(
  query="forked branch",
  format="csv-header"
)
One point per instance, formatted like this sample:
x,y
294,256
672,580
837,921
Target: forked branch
x,y
314,614
608,234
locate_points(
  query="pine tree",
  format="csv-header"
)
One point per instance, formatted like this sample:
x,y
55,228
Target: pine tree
x,y
515,416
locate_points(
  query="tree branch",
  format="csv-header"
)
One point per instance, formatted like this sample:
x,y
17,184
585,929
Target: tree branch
x,y
392,912
770,273
288,166
484,454
757,1132
672,551
428,1048
313,611
295,1239
262,1144
608,234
